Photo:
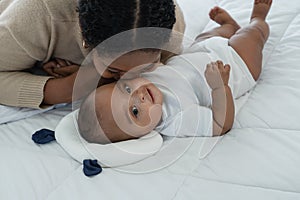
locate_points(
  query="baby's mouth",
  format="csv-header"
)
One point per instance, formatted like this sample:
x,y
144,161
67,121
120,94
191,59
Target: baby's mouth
x,y
151,95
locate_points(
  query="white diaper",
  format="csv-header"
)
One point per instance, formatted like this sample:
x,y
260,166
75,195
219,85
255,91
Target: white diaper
x,y
241,80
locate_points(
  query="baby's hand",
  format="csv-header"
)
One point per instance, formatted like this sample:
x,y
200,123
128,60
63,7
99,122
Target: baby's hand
x,y
60,68
217,74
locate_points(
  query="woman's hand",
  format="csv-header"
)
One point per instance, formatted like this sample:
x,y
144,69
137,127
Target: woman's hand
x,y
60,68
217,74
59,90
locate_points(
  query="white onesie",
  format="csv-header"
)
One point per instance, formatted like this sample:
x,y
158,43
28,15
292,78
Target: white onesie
x,y
187,96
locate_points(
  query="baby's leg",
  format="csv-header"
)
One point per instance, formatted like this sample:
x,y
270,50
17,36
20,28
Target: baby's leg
x,y
249,41
228,25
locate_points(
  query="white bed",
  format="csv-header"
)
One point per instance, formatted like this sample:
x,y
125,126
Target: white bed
x,y
258,159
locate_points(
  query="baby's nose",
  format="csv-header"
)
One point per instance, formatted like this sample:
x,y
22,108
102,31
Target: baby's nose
x,y
143,94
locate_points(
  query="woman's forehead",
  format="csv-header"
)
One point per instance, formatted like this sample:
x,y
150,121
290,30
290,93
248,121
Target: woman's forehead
x,y
133,59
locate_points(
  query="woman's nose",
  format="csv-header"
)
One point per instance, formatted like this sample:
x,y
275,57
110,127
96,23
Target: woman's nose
x,y
129,75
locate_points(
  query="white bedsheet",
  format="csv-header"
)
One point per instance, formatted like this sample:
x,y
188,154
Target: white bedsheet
x,y
258,159
11,114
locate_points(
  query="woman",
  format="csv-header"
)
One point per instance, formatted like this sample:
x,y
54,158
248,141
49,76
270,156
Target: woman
x,y
37,31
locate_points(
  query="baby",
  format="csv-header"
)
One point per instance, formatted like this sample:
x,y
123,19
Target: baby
x,y
188,97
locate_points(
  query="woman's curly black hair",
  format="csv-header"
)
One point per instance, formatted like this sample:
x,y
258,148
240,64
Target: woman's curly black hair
x,y
101,19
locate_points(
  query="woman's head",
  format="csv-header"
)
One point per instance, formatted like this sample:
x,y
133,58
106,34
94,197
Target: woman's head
x,y
102,19
124,110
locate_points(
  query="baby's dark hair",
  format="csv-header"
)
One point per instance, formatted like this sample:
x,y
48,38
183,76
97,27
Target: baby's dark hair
x,y
87,121
102,19
91,126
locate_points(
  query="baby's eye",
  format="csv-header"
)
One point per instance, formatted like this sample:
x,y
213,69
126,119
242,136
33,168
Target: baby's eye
x,y
135,111
128,89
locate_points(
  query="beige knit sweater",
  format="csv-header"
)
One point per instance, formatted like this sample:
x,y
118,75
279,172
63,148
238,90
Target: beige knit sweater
x,y
37,30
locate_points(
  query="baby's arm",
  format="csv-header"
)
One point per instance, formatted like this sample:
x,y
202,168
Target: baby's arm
x,y
217,76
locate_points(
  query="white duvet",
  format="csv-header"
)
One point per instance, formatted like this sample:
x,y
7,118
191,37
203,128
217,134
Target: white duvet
x,y
258,159
11,114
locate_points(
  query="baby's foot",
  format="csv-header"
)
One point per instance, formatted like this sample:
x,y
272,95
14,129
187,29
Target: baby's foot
x,y
261,9
222,17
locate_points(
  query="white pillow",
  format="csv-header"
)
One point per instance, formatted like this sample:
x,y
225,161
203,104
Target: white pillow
x,y
108,155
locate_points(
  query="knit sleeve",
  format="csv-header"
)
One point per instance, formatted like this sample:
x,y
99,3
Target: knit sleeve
x,y
180,23
179,26
24,38
22,89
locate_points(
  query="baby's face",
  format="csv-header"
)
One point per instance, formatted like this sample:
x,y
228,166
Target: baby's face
x,y
136,106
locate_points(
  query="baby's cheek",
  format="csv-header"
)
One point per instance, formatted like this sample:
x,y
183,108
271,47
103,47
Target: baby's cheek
x,y
155,113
